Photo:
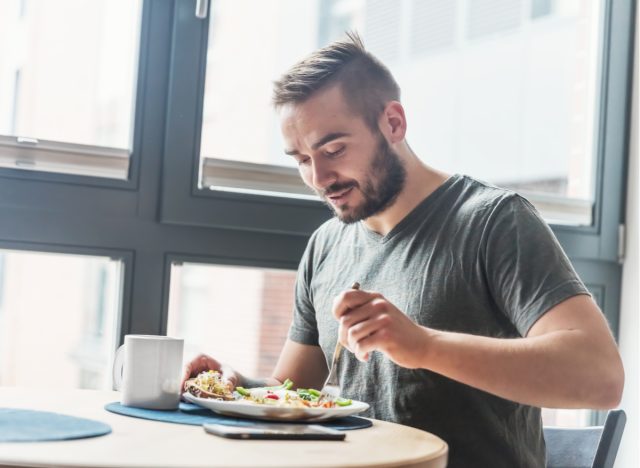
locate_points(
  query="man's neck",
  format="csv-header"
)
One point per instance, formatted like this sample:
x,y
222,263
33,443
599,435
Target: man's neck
x,y
421,182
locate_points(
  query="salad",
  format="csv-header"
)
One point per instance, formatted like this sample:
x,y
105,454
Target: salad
x,y
282,395
210,384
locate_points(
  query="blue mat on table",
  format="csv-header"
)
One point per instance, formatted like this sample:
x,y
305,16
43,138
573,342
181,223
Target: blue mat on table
x,y
22,425
189,413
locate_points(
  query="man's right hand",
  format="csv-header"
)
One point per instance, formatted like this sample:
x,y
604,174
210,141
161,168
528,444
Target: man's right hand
x,y
203,363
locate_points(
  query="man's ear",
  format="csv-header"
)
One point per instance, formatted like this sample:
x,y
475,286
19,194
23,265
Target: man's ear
x,y
393,122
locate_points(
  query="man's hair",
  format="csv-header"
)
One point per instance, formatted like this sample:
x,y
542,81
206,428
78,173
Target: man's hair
x,y
367,84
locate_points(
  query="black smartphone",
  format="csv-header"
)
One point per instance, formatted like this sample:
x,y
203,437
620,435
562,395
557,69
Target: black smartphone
x,y
276,431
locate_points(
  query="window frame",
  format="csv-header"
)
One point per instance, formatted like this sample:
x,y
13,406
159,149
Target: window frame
x,y
125,257
65,213
91,151
172,258
185,203
158,215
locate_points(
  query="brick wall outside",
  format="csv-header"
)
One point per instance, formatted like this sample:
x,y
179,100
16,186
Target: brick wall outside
x,y
277,309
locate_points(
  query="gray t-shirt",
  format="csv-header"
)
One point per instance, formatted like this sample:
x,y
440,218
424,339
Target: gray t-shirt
x,y
470,258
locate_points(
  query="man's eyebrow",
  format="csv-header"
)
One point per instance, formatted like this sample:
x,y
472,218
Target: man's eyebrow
x,y
327,138
322,141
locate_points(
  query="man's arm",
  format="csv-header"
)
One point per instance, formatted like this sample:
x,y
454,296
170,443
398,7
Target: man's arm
x,y
304,364
568,359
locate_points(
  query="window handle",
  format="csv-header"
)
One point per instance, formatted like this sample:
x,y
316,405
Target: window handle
x,y
202,6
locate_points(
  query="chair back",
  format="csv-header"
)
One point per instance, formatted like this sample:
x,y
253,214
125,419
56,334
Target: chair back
x,y
585,447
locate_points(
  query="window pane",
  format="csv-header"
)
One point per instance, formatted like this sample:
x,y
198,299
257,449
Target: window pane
x,y
67,70
239,315
58,319
503,90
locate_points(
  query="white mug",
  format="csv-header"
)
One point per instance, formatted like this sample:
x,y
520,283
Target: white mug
x,y
148,371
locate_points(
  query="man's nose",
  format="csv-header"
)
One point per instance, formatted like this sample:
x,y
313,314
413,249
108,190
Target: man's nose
x,y
323,175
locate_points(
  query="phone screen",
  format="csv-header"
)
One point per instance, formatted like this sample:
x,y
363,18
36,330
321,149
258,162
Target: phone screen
x,y
276,431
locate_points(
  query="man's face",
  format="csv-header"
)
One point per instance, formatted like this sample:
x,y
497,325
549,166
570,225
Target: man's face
x,y
353,170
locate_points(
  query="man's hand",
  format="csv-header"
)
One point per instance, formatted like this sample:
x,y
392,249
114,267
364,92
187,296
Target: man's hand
x,y
203,363
370,322
567,360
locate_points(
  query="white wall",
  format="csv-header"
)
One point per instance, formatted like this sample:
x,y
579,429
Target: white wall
x,y
628,456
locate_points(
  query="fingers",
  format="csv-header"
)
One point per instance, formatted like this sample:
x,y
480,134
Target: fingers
x,y
349,308
376,306
361,339
368,344
362,330
201,363
230,377
348,320
351,299
364,312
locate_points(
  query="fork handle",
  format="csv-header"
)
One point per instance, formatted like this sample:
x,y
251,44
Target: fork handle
x,y
336,355
338,348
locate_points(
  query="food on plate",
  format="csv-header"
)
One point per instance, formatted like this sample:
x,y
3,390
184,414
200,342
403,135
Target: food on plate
x,y
210,385
282,395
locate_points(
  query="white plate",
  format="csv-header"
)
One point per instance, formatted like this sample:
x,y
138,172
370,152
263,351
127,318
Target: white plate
x,y
245,409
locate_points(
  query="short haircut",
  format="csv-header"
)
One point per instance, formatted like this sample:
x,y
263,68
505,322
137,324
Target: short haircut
x,y
366,83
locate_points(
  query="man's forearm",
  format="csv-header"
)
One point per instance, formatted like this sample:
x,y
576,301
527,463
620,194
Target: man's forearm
x,y
557,370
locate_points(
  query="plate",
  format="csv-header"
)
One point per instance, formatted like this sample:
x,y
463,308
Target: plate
x,y
245,409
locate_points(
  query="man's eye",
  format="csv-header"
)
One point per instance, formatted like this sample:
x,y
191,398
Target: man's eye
x,y
303,161
333,154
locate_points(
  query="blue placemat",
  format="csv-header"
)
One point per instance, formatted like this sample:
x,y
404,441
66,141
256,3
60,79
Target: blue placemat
x,y
22,425
192,414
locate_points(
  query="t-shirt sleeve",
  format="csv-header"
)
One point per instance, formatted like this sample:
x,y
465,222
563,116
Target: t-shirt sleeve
x,y
304,327
527,270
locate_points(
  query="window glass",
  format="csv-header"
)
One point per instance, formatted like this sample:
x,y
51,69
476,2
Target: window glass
x,y
58,319
67,74
503,90
238,315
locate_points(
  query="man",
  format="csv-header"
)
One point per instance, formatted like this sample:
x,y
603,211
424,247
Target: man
x,y
469,318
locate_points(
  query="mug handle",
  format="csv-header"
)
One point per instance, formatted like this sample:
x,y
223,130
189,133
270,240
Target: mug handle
x,y
118,365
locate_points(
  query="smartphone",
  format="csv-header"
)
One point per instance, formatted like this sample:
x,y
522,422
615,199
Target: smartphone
x,y
276,431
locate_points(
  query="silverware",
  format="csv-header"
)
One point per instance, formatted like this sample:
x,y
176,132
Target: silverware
x,y
331,386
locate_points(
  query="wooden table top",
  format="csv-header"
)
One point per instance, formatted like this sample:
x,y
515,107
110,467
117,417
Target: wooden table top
x,y
142,443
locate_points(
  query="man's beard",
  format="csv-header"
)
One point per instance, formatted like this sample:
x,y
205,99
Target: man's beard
x,y
385,181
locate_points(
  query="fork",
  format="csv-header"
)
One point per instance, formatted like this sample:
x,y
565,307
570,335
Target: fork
x,y
331,386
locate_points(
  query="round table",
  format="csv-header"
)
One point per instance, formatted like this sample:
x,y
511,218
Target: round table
x,y
142,443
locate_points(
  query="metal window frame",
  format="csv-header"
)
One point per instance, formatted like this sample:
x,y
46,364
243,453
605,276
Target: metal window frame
x,y
185,203
159,214
33,151
48,212
172,258
63,158
271,180
124,256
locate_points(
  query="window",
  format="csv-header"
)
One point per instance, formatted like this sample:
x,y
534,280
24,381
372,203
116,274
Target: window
x,y
160,226
525,94
239,315
67,80
488,91
58,319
